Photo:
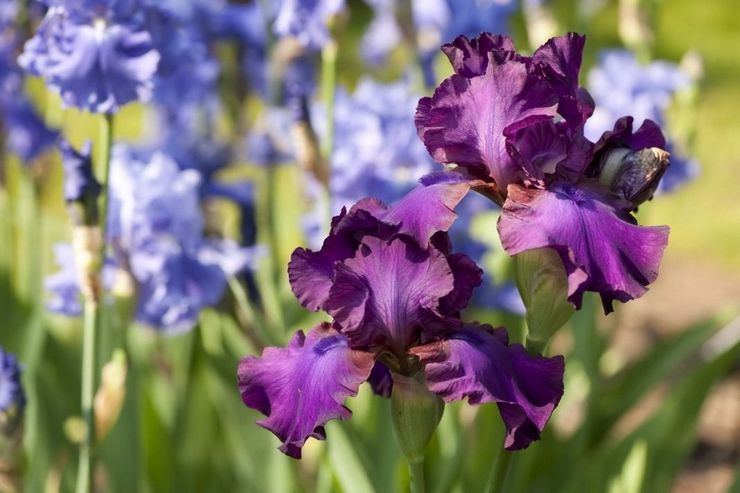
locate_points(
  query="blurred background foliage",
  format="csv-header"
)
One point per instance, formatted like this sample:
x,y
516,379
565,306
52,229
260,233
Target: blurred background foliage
x,y
652,399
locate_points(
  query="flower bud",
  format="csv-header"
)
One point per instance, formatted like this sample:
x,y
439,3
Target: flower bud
x,y
634,175
416,414
86,242
543,285
111,394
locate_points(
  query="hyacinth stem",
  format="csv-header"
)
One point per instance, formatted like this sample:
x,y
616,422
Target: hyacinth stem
x,y
499,472
416,476
92,318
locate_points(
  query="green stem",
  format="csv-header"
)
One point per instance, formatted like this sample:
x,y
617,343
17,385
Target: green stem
x,y
92,318
416,476
499,472
84,471
105,142
253,328
497,477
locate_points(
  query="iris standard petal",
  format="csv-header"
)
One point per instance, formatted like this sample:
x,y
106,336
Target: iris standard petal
x,y
388,292
301,387
470,57
464,121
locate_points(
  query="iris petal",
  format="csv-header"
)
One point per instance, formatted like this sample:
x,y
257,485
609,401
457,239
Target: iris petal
x,y
600,249
478,363
301,387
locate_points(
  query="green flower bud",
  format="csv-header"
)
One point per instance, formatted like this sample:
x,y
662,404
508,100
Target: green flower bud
x,y
543,285
416,414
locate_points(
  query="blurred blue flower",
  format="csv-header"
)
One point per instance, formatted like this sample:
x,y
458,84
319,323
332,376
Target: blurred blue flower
x,y
63,286
157,225
27,135
11,390
306,20
472,17
376,150
79,179
151,196
436,22
620,85
187,71
97,54
175,283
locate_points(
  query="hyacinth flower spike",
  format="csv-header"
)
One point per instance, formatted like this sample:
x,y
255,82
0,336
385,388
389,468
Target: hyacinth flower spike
x,y
513,125
388,278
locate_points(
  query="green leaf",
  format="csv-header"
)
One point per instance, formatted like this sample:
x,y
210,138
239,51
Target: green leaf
x,y
345,462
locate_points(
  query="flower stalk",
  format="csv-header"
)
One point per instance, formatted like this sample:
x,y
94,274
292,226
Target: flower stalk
x,y
90,256
416,414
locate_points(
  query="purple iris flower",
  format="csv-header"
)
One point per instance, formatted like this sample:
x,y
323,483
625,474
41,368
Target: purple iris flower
x,y
388,278
11,390
97,54
515,124
621,85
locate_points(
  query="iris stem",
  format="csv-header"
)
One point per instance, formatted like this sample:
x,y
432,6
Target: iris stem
x,y
84,471
416,476
92,318
499,472
253,327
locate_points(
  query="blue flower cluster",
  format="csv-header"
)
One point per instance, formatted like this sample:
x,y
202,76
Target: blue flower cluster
x,y
156,228
26,135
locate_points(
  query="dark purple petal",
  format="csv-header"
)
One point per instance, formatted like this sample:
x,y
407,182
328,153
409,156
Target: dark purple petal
x,y
380,380
601,251
388,292
542,147
467,276
560,58
419,214
470,57
311,273
425,210
648,135
301,387
464,121
478,363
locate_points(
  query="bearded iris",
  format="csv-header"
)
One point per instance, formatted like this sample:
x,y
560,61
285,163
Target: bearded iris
x,y
97,54
394,290
514,125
